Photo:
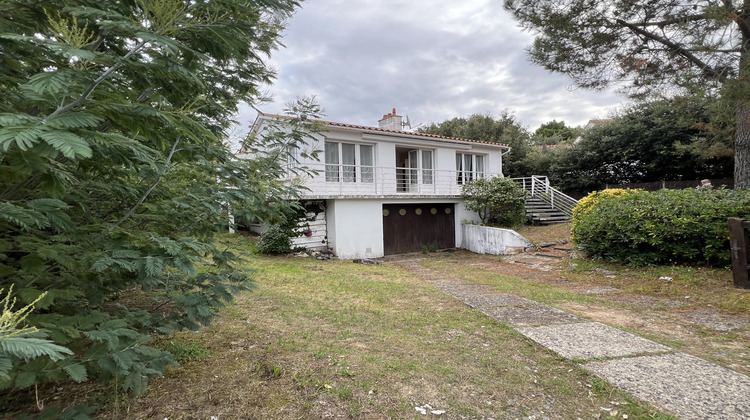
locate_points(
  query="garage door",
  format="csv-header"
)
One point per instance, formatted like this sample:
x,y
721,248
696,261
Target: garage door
x,y
407,227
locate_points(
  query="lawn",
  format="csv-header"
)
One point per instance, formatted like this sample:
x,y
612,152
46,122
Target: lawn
x,y
335,339
321,339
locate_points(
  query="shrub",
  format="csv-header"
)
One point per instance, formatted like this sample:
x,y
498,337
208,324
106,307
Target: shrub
x,y
667,226
498,200
587,204
276,240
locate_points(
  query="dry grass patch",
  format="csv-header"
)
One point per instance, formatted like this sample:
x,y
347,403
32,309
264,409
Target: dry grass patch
x,y
337,339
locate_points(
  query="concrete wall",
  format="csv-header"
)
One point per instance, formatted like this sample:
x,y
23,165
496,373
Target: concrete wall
x,y
489,240
355,227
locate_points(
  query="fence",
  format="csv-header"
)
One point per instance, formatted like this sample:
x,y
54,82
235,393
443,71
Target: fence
x,y
738,243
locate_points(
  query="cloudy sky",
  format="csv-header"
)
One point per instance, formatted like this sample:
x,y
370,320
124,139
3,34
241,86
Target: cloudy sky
x,y
430,59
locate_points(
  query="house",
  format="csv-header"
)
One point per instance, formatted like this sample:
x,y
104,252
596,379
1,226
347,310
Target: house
x,y
381,190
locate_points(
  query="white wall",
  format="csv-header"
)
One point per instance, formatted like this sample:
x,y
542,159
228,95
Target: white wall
x,y
355,227
489,240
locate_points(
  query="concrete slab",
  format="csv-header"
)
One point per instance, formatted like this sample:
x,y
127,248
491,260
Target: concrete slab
x,y
501,299
685,385
527,315
466,290
447,282
590,340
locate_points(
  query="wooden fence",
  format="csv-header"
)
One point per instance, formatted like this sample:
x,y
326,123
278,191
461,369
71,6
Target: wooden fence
x,y
738,243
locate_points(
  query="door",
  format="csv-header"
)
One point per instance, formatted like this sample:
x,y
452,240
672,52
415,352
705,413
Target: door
x,y
409,227
413,172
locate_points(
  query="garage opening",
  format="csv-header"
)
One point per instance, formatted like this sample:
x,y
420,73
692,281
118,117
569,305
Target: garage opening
x,y
409,227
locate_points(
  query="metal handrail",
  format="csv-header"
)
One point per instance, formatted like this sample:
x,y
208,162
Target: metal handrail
x,y
539,187
364,180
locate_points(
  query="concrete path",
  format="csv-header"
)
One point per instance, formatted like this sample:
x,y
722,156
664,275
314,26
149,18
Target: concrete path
x,y
677,383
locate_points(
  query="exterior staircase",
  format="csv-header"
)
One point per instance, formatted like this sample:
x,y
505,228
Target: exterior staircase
x,y
542,213
545,205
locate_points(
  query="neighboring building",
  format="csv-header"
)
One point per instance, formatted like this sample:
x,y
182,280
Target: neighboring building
x,y
382,191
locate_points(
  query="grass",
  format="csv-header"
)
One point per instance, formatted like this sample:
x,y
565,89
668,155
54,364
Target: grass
x,y
333,338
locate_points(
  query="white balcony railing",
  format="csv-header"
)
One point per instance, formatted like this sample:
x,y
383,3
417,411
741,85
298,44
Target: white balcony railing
x,y
357,180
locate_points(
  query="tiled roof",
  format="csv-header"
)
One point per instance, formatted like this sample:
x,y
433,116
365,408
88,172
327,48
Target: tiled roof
x,y
409,133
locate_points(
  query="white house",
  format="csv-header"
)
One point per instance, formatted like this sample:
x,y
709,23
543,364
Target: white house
x,y
383,191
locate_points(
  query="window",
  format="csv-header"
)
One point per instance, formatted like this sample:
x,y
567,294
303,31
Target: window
x,y
427,166
349,162
469,167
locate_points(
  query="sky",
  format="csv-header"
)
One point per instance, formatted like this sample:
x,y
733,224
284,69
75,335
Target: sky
x,y
432,60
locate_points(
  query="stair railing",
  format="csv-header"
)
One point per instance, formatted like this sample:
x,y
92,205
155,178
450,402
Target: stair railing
x,y
539,187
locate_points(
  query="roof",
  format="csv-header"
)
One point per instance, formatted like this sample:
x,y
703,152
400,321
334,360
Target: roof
x,y
382,130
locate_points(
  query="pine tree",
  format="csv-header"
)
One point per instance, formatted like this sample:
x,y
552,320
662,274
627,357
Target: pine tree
x,y
650,47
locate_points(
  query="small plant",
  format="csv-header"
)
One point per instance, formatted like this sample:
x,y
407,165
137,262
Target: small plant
x,y
496,200
428,248
184,352
276,240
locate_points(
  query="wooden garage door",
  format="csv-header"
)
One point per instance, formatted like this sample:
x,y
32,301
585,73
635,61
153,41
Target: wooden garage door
x,y
406,227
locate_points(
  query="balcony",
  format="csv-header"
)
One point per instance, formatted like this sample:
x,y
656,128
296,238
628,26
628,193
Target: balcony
x,y
355,181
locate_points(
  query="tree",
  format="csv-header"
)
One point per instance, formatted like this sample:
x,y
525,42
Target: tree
x,y
496,200
554,132
114,175
647,142
650,46
506,129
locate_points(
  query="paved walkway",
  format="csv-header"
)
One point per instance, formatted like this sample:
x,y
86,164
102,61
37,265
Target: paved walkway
x,y
678,383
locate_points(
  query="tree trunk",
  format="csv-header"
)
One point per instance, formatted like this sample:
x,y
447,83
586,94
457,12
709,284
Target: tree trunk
x,y
742,147
742,107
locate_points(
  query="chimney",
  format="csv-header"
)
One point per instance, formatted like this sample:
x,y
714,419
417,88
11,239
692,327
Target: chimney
x,y
391,121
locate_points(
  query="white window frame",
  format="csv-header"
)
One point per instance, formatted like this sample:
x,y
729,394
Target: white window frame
x,y
476,163
340,171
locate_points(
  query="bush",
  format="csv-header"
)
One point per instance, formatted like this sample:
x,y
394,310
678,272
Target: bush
x,y
498,200
667,226
587,204
276,240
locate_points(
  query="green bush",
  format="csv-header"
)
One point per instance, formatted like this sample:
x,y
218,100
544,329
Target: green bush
x,y
496,200
667,226
276,240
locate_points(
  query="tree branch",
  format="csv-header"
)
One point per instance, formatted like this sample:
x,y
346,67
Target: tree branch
x,y
65,108
705,68
148,192
672,21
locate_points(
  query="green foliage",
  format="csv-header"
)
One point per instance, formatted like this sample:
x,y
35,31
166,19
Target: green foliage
x,y
554,132
184,352
114,176
650,48
506,129
662,227
651,141
276,240
496,200
428,248
19,344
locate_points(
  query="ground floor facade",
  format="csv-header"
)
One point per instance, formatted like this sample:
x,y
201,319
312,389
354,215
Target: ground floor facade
x,y
371,228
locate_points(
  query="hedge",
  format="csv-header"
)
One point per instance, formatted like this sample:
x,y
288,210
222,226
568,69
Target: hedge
x,y
661,227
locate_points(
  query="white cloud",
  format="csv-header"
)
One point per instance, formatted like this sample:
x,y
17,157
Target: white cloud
x,y
433,60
